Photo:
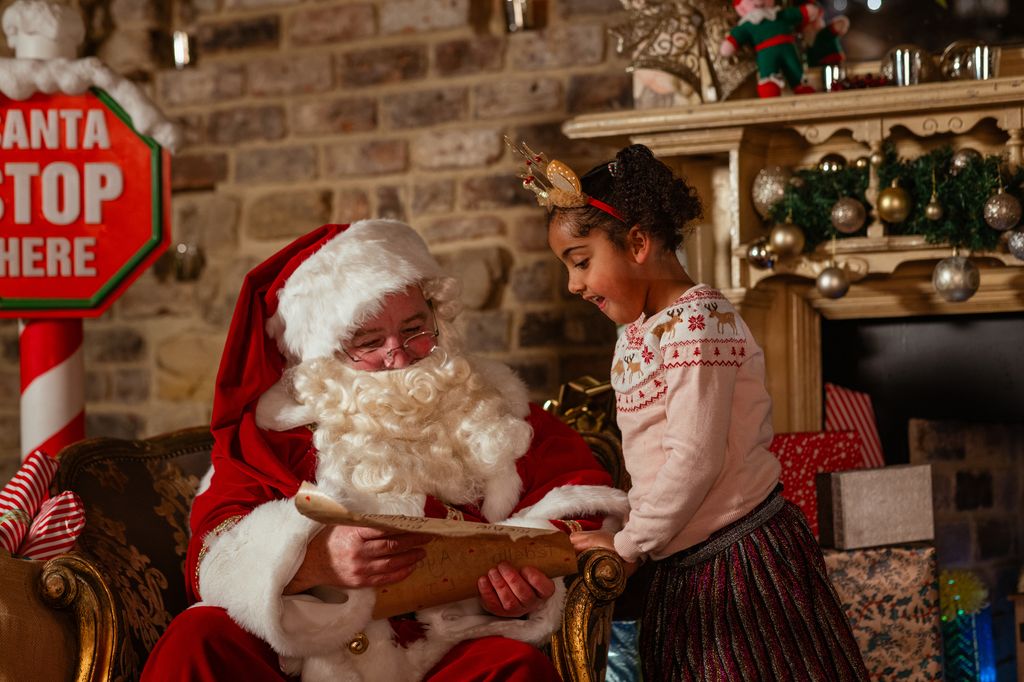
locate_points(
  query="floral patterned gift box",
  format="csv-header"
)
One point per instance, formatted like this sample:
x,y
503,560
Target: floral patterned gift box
x,y
891,596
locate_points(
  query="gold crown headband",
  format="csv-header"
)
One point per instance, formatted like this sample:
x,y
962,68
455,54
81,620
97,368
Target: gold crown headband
x,y
554,183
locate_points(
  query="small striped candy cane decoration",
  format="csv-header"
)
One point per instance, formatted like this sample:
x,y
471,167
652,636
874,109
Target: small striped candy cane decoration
x,y
52,384
22,497
55,528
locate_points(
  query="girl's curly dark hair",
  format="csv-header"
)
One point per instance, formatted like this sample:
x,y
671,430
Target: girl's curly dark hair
x,y
645,191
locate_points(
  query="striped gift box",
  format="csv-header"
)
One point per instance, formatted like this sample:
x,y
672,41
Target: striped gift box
x,y
847,410
55,528
22,497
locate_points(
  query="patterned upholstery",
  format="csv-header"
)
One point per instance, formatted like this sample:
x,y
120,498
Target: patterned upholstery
x,y
137,496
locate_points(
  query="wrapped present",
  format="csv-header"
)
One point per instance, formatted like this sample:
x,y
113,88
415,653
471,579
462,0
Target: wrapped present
x,y
804,455
966,627
873,507
55,528
891,596
848,410
21,498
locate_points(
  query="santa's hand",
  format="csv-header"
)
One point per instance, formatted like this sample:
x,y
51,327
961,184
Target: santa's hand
x,y
511,593
353,556
727,49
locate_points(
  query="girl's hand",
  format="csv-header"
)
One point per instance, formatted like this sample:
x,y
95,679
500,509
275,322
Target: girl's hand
x,y
588,539
509,593
353,556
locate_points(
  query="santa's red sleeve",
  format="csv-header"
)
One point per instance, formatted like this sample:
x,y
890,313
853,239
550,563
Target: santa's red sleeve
x,y
563,481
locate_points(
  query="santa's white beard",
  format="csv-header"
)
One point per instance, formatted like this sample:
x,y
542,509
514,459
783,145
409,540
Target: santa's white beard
x,y
756,16
435,428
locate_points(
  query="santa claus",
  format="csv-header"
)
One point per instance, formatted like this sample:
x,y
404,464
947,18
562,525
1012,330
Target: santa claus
x,y
342,367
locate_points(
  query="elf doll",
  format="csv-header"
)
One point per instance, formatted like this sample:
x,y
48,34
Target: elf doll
x,y
822,40
769,30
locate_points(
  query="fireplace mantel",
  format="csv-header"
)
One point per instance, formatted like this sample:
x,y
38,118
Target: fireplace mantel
x,y
720,147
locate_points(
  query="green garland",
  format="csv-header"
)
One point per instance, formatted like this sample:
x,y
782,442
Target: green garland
x,y
808,200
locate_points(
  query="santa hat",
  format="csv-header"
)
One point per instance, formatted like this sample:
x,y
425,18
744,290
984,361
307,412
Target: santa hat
x,y
337,288
306,299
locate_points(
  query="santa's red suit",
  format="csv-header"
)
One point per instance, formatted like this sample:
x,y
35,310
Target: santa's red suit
x,y
248,540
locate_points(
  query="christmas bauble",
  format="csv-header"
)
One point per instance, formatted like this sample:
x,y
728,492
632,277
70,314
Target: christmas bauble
x,y
769,186
786,239
832,282
1002,211
848,215
955,279
759,255
876,158
1016,243
861,162
962,158
831,163
893,204
933,209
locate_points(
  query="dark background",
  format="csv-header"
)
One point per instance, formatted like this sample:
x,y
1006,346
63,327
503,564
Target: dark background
x,y
957,367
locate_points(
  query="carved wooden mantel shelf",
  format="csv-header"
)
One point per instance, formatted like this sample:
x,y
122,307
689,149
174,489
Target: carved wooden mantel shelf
x,y
869,114
721,146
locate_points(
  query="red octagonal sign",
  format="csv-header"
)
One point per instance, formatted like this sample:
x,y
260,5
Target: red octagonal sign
x,y
84,203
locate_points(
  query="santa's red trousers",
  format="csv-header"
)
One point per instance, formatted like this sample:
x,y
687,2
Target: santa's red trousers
x,y
203,643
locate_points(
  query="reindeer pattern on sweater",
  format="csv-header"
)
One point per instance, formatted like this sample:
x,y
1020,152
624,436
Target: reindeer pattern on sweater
x,y
698,329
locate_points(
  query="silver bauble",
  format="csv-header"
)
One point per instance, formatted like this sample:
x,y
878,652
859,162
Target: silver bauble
x,y
1015,243
848,215
786,239
955,279
933,209
759,255
832,282
1002,211
768,188
830,163
962,158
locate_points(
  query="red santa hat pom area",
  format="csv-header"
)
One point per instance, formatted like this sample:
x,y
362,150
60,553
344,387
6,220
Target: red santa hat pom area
x,y
22,497
334,290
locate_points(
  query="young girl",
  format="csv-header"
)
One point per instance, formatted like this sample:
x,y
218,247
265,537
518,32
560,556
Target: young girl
x,y
739,589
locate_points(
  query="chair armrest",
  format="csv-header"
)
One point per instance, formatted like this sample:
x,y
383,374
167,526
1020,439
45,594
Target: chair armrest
x,y
70,582
579,649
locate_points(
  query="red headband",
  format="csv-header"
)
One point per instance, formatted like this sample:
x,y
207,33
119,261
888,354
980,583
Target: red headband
x,y
601,206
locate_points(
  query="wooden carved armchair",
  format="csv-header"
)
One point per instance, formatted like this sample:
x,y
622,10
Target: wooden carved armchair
x,y
123,583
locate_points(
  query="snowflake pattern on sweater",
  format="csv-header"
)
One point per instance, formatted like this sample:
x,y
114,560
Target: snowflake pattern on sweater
x,y
699,329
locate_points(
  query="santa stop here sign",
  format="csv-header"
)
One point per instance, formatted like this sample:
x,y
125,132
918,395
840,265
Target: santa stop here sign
x,y
84,203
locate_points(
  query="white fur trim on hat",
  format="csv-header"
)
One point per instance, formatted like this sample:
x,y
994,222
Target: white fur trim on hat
x,y
343,284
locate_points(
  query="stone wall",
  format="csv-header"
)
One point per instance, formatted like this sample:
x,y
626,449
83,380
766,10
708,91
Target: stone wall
x,y
978,493
303,112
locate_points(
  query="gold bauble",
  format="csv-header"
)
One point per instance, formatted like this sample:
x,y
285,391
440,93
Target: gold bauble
x,y
861,162
933,209
832,282
760,255
848,215
955,279
876,158
963,158
768,188
786,239
893,204
830,163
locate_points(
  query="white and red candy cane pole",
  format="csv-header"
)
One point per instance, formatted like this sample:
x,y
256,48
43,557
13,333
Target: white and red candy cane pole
x,y
52,384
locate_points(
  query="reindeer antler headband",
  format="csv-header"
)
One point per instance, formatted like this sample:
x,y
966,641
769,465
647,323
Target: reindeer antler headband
x,y
554,183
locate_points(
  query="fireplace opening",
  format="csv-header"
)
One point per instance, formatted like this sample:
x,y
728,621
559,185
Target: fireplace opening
x,y
949,391
967,368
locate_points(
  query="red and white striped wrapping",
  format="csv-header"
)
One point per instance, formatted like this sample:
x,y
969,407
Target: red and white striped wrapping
x,y
848,410
55,528
22,497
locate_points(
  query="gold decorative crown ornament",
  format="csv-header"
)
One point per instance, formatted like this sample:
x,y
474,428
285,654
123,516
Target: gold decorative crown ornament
x,y
554,183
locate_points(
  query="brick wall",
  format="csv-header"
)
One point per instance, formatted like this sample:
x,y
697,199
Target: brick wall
x,y
300,113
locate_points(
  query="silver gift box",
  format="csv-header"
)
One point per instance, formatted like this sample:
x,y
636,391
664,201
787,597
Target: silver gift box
x,y
874,507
